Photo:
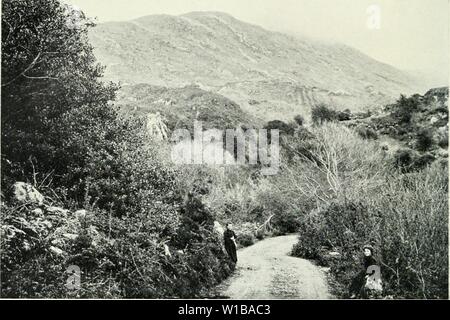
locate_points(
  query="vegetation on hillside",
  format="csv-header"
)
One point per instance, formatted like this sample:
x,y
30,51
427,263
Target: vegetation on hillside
x,y
181,106
365,199
396,201
61,134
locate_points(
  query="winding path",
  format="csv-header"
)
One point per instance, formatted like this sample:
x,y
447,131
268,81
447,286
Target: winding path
x,y
266,271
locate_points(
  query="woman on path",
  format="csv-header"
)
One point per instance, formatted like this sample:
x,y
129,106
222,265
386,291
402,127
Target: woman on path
x,y
229,238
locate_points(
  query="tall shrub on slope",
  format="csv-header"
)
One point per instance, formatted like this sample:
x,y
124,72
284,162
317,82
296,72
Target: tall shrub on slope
x,y
364,200
49,73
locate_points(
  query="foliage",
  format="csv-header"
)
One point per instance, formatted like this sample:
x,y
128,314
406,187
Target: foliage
x,y
60,133
443,142
49,73
299,119
424,140
322,113
245,239
367,133
404,108
405,219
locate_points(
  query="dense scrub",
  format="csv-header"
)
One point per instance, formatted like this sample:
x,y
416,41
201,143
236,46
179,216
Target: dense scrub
x,y
403,215
137,235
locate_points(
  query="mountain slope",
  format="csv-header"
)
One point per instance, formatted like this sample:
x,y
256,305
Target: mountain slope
x,y
181,106
270,74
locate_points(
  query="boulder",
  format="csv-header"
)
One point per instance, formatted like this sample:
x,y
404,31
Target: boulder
x,y
27,194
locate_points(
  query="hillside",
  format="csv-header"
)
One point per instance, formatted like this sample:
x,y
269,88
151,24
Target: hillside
x,y
181,106
270,74
415,125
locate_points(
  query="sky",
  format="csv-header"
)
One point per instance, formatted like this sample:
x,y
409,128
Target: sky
x,y
411,35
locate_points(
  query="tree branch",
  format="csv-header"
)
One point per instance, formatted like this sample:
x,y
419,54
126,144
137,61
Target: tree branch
x,y
32,64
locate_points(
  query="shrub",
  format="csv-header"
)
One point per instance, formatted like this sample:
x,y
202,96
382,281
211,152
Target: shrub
x,y
367,133
281,126
403,159
424,140
118,257
422,161
443,141
245,239
322,113
404,109
299,120
311,237
344,115
406,220
286,222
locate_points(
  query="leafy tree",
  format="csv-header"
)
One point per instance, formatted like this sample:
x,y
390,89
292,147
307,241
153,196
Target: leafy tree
x,y
404,108
51,88
322,113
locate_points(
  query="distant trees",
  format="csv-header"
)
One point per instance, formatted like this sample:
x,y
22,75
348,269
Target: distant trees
x,y
404,108
322,113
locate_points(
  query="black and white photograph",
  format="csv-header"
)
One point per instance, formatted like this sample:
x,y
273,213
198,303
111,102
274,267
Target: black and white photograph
x,y
224,150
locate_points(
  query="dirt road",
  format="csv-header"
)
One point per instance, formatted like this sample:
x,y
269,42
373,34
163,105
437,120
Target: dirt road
x,y
266,271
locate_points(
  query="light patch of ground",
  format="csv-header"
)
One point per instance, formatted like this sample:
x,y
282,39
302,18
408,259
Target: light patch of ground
x,y
266,271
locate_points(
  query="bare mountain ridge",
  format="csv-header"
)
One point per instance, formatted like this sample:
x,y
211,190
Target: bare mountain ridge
x,y
269,74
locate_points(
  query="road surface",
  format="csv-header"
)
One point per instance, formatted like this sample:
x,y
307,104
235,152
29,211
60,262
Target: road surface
x,y
266,271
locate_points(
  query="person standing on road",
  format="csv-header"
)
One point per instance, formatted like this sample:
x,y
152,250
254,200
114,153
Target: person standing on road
x,y
229,238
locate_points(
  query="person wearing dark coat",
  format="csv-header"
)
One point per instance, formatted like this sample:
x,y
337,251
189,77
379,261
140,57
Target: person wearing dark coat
x,y
229,238
358,283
